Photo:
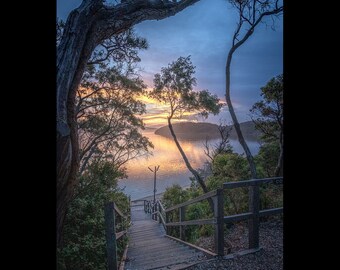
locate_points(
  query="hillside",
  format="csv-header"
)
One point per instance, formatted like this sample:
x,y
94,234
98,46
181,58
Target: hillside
x,y
200,131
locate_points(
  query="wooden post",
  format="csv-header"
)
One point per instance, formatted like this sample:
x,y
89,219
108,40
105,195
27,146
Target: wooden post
x,y
154,181
182,218
155,210
110,234
219,215
160,213
167,221
253,223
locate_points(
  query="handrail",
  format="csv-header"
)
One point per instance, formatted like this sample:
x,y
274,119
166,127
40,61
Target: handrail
x,y
118,211
161,205
193,222
157,210
252,182
120,234
197,199
111,235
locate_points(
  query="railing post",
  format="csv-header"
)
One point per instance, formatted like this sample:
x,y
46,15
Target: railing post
x,y
253,223
156,208
167,221
110,234
159,212
219,215
182,218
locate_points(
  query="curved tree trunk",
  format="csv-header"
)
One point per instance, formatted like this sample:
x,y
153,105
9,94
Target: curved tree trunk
x,y
86,27
234,118
254,190
187,163
279,166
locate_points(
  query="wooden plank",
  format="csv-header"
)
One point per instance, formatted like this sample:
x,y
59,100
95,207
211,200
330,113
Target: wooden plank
x,y
241,253
218,214
161,218
192,222
161,205
118,211
207,252
272,211
110,236
197,199
252,182
122,262
166,222
238,217
120,234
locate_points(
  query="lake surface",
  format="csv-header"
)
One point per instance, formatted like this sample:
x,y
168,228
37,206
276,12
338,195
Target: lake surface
x,y
172,168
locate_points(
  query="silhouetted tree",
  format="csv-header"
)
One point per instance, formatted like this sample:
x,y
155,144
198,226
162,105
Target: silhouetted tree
x,y
267,115
86,28
174,86
251,13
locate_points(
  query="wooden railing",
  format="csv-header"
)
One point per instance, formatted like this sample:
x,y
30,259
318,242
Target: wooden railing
x,y
162,215
111,212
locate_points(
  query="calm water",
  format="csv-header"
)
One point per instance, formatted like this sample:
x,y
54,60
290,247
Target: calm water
x,y
172,169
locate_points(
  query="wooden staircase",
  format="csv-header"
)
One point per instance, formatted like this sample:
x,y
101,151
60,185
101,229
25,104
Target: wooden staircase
x,y
150,248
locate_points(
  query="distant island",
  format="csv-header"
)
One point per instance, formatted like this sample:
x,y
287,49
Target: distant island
x,y
191,131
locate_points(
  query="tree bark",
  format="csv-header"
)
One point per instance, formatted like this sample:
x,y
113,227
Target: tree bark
x,y
234,47
86,27
187,163
234,118
279,166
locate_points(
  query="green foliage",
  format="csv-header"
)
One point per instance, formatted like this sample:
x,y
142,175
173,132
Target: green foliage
x,y
267,114
84,231
228,167
174,86
271,196
174,195
108,109
266,159
121,48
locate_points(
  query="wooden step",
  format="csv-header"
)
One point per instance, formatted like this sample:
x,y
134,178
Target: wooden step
x,y
150,249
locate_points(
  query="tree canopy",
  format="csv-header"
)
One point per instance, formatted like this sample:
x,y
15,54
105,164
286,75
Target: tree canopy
x,y
267,113
174,86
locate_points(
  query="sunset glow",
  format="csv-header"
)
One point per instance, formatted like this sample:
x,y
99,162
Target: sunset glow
x,y
157,113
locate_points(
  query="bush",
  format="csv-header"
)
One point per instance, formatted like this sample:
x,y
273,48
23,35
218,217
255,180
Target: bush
x,y
84,245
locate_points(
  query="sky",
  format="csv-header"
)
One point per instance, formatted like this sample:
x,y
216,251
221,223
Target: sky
x,y
204,31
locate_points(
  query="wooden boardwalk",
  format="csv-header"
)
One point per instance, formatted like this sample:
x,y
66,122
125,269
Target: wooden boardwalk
x,y
149,248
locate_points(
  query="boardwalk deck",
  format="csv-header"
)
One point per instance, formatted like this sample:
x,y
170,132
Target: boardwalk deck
x,y
149,248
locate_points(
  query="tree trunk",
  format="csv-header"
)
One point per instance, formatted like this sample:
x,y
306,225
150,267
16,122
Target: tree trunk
x,y
279,166
187,163
73,53
86,27
235,46
234,118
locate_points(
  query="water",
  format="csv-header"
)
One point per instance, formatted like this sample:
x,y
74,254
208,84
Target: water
x,y
172,168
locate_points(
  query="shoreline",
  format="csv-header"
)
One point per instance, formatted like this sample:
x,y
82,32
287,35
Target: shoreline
x,y
158,196
149,198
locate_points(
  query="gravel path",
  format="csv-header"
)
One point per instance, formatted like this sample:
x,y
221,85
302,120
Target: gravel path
x,y
270,257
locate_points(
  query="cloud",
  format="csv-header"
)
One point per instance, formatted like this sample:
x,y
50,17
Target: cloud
x,y
204,31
